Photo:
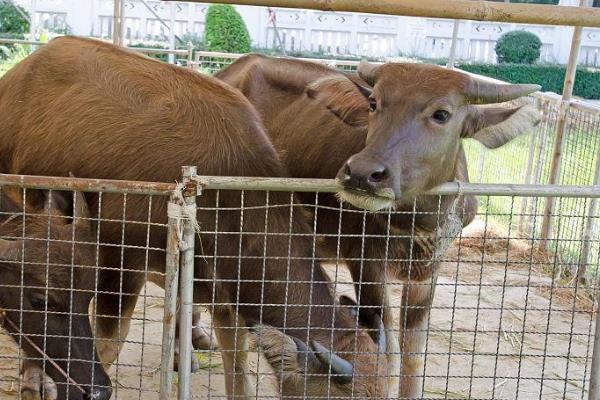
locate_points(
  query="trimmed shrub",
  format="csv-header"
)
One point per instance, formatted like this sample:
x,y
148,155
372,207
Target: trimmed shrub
x,y
550,77
519,47
225,30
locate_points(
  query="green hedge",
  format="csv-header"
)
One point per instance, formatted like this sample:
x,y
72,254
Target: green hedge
x,y
225,30
550,77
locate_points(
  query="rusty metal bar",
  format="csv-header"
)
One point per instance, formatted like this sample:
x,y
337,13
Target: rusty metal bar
x,y
186,289
330,186
170,311
87,185
457,9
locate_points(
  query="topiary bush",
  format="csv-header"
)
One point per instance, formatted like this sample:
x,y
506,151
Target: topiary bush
x,y
518,47
225,30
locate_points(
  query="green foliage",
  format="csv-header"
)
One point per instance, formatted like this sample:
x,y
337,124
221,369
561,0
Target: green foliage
x,y
151,45
518,47
225,30
15,55
551,77
11,20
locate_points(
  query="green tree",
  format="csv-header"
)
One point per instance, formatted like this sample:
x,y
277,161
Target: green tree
x,y
519,47
11,20
225,30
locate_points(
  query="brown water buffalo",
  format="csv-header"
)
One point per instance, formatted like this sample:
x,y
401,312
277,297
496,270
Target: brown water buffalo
x,y
45,277
387,135
87,107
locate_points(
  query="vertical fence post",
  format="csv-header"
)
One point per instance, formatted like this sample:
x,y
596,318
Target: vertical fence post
x,y
529,167
595,371
190,55
480,163
172,32
561,127
588,229
32,21
117,22
170,317
186,290
452,55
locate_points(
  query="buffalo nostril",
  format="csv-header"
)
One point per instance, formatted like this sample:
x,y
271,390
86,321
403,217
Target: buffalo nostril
x,y
99,393
347,172
378,176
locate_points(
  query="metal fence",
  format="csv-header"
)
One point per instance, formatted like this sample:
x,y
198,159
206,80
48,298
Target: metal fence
x,y
503,323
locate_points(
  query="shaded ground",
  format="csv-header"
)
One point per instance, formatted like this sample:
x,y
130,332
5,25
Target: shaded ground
x,y
499,331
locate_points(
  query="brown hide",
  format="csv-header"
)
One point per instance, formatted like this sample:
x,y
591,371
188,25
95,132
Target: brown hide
x,y
98,111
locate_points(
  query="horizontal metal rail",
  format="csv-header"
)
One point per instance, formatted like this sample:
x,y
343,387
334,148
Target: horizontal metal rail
x,y
457,9
87,185
330,186
283,185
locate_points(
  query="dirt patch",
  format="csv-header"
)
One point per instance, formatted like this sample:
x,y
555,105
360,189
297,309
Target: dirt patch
x,y
500,327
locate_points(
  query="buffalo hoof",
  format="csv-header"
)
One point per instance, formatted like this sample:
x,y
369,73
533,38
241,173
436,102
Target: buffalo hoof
x,y
195,363
36,385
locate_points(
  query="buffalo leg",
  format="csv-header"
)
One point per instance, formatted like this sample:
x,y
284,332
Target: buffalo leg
x,y
373,295
232,340
35,384
202,339
114,307
417,298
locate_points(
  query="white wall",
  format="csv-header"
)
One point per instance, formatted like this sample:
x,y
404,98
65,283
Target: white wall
x,y
334,33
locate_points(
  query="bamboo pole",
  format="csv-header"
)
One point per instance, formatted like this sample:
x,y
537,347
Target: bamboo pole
x,y
561,127
456,9
117,30
452,55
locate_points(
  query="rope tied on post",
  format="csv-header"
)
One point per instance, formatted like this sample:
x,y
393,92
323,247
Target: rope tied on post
x,y
182,212
450,229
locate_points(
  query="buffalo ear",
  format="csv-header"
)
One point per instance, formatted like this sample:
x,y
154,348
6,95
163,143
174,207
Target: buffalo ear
x,y
361,85
8,207
368,72
338,94
495,126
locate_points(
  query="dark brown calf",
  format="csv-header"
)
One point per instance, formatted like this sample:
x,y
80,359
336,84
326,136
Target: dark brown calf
x,y
46,283
388,136
87,107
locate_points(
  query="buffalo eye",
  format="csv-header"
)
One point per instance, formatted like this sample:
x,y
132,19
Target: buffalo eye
x,y
441,116
372,104
38,301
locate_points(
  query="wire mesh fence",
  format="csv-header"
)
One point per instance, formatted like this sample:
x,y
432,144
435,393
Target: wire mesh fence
x,y
74,268
283,273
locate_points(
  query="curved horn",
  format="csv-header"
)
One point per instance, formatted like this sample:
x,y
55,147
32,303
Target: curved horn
x,y
342,369
11,250
482,92
378,322
367,72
